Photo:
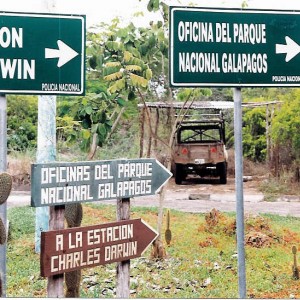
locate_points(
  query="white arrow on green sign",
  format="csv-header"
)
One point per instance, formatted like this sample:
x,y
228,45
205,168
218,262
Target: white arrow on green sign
x,y
234,47
42,54
64,183
64,53
291,49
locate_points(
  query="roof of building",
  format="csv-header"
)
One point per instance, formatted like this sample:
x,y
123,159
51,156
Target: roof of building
x,y
203,104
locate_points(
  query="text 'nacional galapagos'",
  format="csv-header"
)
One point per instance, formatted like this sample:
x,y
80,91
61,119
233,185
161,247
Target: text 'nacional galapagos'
x,y
214,62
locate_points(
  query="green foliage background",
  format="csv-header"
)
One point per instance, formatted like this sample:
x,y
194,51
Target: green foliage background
x,y
22,112
125,66
286,123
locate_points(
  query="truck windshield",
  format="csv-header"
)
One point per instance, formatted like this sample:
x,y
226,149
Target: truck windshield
x,y
201,134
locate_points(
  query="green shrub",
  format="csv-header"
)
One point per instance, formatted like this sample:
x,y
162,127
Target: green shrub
x,y
254,134
22,113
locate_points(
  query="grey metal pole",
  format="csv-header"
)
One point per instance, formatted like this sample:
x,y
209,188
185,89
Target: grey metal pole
x,y
3,133
3,207
46,143
46,152
239,191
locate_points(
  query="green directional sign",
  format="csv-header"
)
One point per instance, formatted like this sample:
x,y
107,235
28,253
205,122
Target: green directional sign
x,y
230,47
42,54
61,183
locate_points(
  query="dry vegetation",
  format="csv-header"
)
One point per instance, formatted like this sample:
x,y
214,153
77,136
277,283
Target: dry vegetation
x,y
19,167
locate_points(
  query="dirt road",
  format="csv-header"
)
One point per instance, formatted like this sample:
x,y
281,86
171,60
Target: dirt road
x,y
202,196
197,195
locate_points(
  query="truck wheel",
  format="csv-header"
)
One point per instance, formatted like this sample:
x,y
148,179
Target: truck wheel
x,y
179,173
223,172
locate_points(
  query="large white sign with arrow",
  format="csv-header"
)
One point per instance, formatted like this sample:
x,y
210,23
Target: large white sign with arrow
x,y
42,54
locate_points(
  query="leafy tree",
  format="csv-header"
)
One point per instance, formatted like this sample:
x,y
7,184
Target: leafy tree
x,y
21,122
286,124
132,62
88,119
118,71
94,114
254,133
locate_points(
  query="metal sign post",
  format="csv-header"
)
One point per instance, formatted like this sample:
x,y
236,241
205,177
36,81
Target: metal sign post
x,y
3,207
3,133
46,152
234,47
238,146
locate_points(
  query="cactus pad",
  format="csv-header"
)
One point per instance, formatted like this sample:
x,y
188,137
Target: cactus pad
x,y
2,233
5,186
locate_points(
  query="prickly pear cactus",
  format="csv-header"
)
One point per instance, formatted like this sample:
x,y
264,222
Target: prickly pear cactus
x,y
73,216
72,280
5,189
2,233
5,186
295,266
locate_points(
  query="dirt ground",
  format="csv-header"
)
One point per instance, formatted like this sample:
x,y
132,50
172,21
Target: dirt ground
x,y
212,186
200,196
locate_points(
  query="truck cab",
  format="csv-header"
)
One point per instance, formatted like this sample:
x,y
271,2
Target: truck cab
x,y
199,148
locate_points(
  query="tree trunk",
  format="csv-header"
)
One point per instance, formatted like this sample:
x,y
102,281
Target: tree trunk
x,y
93,147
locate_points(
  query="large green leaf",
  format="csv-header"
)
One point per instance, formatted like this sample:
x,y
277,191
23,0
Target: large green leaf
x,y
102,130
89,110
115,46
117,86
86,134
138,81
153,5
133,68
121,101
113,76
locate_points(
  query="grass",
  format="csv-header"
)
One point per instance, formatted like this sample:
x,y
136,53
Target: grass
x,y
201,259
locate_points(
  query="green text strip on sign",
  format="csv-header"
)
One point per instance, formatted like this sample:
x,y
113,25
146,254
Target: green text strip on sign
x,y
42,54
64,183
227,47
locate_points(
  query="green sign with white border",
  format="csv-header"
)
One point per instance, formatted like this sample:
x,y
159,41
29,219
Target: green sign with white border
x,y
42,54
61,183
234,47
